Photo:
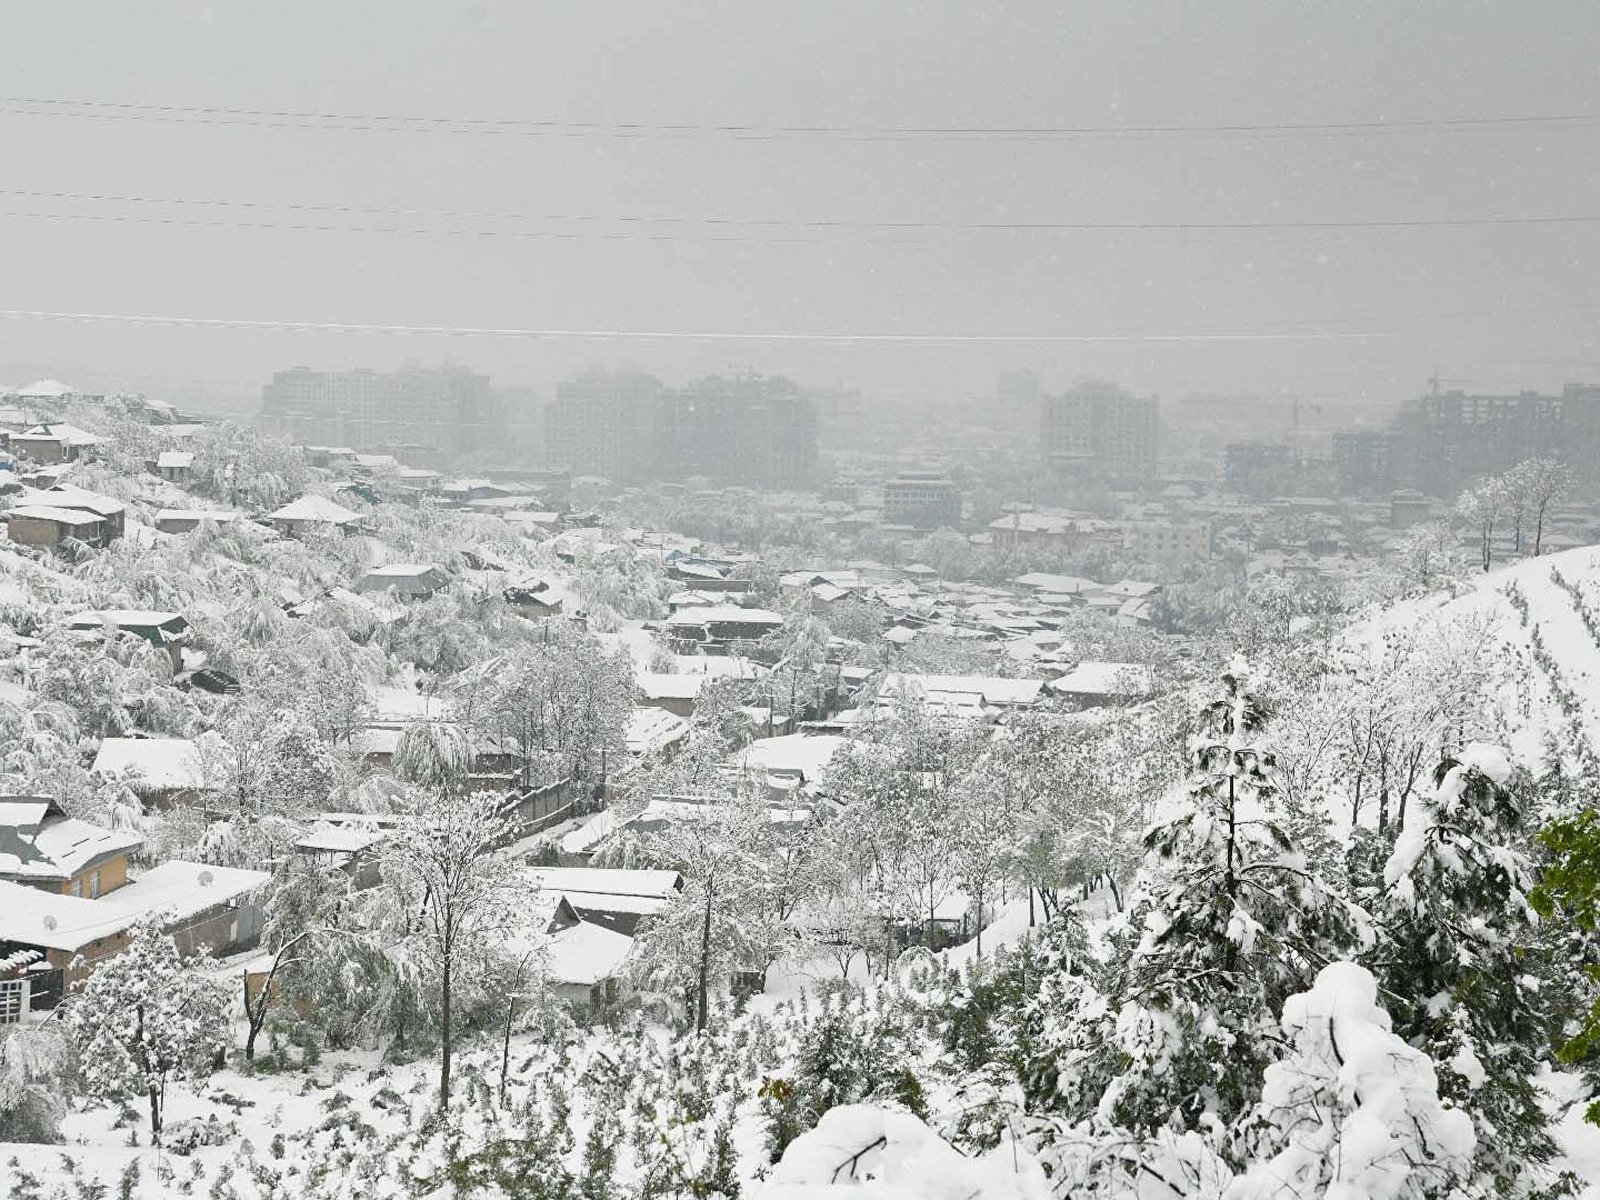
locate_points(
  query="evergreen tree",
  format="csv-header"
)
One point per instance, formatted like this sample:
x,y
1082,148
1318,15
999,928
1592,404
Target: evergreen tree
x,y
1457,919
1228,921
1351,1110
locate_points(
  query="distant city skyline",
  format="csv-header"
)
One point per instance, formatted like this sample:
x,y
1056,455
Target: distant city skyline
x,y
863,226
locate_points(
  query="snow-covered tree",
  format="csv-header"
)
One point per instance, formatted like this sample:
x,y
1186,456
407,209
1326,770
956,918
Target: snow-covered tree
x,y
1456,916
1484,508
148,1017
901,780
35,1066
1229,921
441,865
724,922
1351,1110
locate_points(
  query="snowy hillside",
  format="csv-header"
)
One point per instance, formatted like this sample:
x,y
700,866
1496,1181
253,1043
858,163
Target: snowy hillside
x,y
1542,617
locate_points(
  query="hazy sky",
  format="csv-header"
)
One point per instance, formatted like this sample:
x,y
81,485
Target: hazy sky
x,y
1508,305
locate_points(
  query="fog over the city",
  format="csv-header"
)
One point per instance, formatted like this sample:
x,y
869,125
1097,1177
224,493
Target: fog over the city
x,y
202,213
799,601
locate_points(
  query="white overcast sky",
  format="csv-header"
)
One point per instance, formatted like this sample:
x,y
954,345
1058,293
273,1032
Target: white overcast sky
x,y
1505,306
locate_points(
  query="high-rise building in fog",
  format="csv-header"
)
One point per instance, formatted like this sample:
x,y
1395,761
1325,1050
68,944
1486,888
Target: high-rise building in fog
x,y
759,431
1444,441
1100,429
750,430
446,411
923,500
605,424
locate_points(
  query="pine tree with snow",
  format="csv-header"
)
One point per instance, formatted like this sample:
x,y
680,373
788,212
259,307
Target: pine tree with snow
x,y
1351,1111
148,1017
1457,921
1227,922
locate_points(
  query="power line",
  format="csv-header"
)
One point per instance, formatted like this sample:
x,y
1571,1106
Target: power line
x,y
680,335
817,226
39,106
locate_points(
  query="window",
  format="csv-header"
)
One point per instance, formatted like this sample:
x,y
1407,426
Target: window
x,y
13,1000
94,886
77,888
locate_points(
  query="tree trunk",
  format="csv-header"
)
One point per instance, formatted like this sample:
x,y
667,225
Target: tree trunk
x,y
256,1014
444,1032
505,1048
705,967
155,1115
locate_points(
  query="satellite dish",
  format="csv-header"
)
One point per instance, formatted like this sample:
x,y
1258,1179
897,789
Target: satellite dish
x,y
206,878
49,921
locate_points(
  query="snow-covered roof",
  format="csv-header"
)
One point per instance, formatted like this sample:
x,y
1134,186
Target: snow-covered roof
x,y
1044,581
657,685
402,570
168,459
35,917
341,836
718,613
195,514
1106,679
806,754
653,729
161,764
127,618
315,510
71,496
58,431
990,689
184,889
45,389
585,954
39,848
49,512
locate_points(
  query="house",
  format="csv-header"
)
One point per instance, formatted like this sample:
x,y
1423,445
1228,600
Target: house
x,y
718,626
207,909
166,630
65,495
1102,684
617,899
653,732
163,772
312,514
675,694
42,847
963,691
788,762
65,936
348,842
175,466
187,520
53,443
416,580
49,526
586,965
538,599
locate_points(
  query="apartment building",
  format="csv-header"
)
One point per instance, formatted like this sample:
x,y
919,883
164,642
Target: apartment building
x,y
605,424
748,430
922,500
448,409
1168,543
1100,429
